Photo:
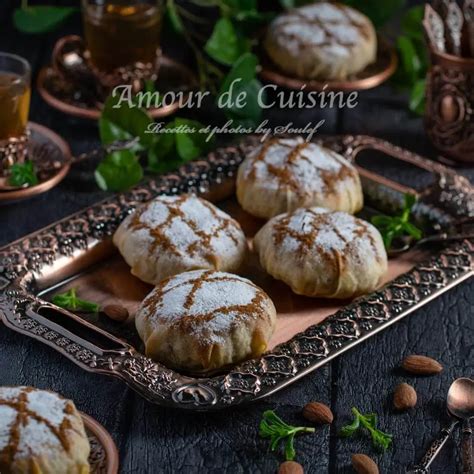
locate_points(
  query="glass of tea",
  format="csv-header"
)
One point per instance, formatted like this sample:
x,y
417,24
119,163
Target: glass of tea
x,y
120,33
15,91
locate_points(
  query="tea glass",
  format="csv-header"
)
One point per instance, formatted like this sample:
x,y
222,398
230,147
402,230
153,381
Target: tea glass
x,y
121,34
15,92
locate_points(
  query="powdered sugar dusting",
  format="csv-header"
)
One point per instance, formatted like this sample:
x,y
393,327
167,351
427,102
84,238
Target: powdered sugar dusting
x,y
43,414
210,302
277,164
319,231
187,225
321,24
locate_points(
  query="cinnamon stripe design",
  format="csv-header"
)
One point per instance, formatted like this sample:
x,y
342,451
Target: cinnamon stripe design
x,y
285,173
24,414
299,18
307,237
188,323
203,243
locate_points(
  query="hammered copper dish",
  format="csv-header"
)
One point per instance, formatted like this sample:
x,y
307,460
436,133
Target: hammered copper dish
x,y
77,251
103,458
71,100
44,144
372,76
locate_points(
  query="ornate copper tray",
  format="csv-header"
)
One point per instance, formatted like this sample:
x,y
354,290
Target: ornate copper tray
x,y
77,251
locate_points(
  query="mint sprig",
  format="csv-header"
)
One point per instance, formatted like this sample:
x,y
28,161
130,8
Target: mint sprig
x,y
70,300
273,427
22,174
391,227
380,440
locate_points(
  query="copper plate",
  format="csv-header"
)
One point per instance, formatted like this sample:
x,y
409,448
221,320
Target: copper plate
x,y
104,458
372,76
62,95
48,144
77,251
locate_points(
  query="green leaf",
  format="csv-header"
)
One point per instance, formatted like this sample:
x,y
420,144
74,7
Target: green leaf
x,y
41,19
172,149
241,80
378,11
418,97
409,200
412,21
119,171
224,45
22,174
69,300
410,63
173,17
124,122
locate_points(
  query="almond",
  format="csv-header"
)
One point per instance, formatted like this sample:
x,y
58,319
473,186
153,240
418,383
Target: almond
x,y
290,467
362,464
404,397
116,312
421,365
318,413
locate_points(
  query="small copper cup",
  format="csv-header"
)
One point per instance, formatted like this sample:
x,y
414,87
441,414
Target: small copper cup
x,y
449,115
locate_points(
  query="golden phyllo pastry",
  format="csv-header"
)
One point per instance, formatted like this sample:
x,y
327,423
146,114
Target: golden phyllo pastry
x,y
41,433
173,234
284,174
325,41
203,320
322,253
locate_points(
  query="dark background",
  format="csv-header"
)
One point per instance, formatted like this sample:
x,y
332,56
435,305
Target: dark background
x,y
151,439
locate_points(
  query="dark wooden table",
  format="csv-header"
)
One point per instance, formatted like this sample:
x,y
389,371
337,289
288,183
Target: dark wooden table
x,y
154,440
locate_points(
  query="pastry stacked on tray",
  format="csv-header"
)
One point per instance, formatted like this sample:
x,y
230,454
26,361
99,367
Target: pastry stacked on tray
x,y
41,432
201,316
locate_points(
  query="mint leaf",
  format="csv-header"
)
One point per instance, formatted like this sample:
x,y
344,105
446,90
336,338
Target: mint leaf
x,y
418,97
69,300
242,79
123,123
173,17
41,19
22,174
412,21
378,11
181,144
224,45
119,171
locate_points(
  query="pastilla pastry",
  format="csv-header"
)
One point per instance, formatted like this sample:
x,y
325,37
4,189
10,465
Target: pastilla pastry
x,y
284,174
203,320
41,433
173,234
325,41
322,253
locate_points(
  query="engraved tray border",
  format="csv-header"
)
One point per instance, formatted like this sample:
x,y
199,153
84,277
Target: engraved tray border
x,y
449,198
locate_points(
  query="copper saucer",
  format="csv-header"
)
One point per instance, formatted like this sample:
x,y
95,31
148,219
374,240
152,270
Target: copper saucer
x,y
43,144
66,97
372,76
104,458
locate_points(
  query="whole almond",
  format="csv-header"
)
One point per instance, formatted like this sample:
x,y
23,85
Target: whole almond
x,y
421,365
318,413
404,397
116,312
362,464
290,467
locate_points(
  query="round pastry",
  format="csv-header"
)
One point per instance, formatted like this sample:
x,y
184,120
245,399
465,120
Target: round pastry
x,y
326,41
174,234
284,174
41,432
322,253
203,320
